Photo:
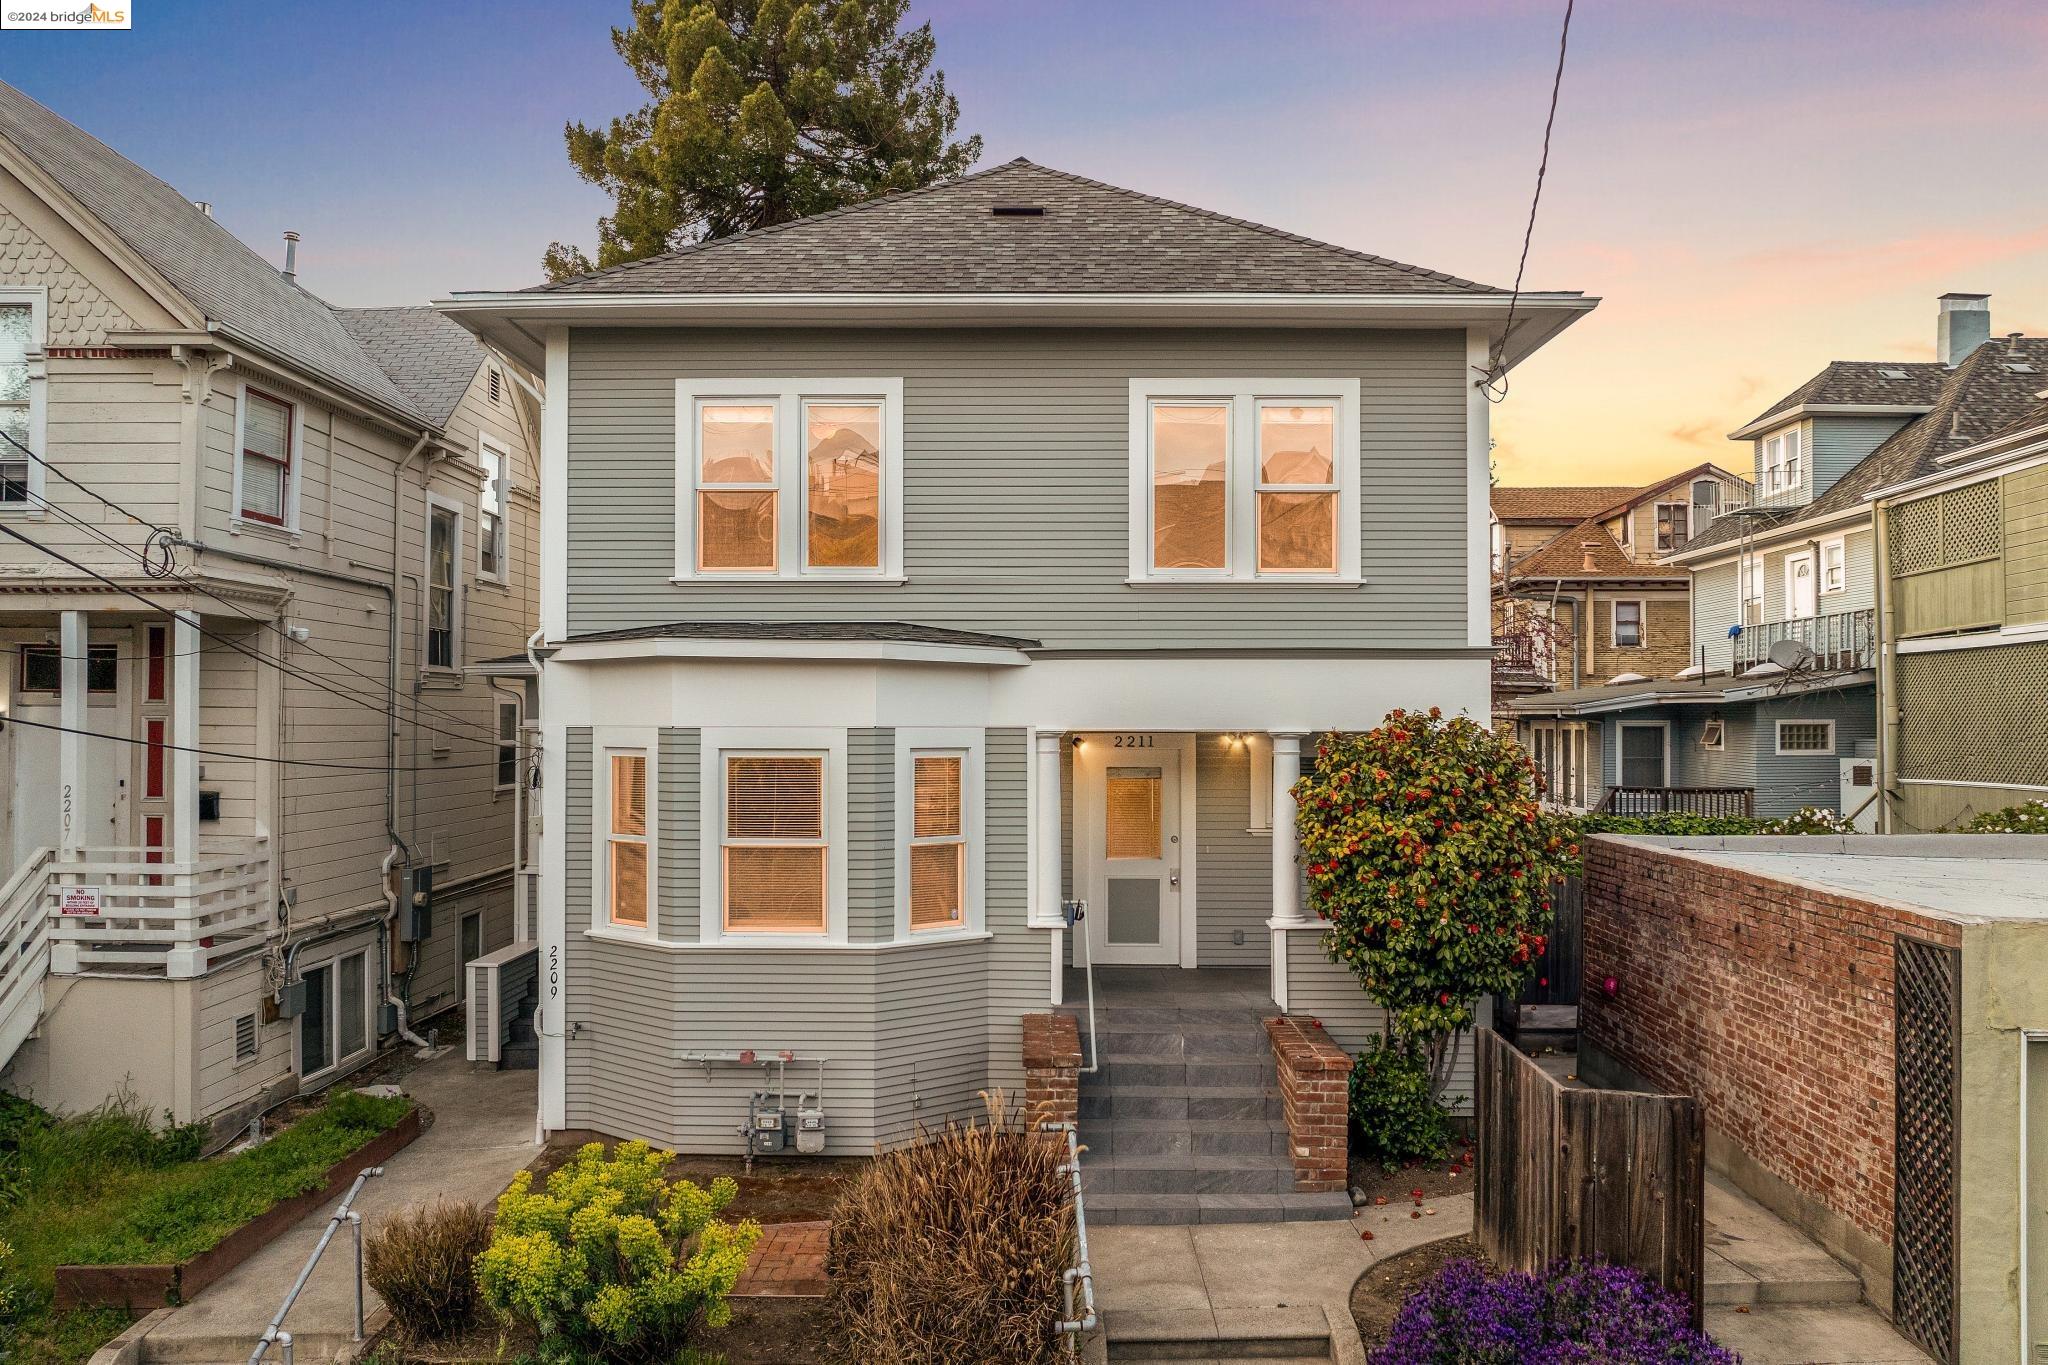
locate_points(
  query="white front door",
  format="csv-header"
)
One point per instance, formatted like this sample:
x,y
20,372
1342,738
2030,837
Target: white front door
x,y
100,807
1801,597
1132,864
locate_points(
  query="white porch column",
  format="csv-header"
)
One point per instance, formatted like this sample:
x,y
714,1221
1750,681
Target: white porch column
x,y
72,714
185,735
1287,911
1047,816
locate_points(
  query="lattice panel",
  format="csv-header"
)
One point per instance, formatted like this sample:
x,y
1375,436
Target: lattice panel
x,y
1975,715
1916,536
1971,524
1926,986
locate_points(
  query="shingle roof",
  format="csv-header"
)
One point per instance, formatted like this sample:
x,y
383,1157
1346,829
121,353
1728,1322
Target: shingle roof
x,y
428,357
1865,381
1976,400
205,262
1564,556
1572,504
900,632
945,238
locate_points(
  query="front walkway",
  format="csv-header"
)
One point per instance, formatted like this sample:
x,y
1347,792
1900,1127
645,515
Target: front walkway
x,y
482,1133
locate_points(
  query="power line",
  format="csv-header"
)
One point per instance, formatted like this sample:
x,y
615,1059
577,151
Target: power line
x,y
247,758
1495,381
167,569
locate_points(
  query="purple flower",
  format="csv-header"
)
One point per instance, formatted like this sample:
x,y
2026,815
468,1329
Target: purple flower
x,y
1575,1313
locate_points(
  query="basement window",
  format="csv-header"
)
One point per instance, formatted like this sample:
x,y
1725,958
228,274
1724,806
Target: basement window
x,y
1806,737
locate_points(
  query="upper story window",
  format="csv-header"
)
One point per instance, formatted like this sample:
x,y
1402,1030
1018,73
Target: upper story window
x,y
490,517
1674,525
263,472
1244,480
22,338
444,593
1628,625
506,776
1834,566
1750,571
789,478
1706,498
1780,467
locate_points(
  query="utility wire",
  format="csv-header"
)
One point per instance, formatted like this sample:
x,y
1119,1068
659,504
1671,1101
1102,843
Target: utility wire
x,y
165,568
1495,380
247,758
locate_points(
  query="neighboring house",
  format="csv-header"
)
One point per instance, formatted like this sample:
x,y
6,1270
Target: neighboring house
x,y
920,567
249,545
1796,573
1964,674
1645,520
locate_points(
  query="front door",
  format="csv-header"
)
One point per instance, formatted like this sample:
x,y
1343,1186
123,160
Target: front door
x,y
1129,841
1801,600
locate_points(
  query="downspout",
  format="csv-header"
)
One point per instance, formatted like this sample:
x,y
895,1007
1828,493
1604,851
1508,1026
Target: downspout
x,y
400,851
1887,671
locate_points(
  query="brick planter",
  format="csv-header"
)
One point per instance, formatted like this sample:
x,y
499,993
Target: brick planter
x,y
1052,1067
140,1288
1315,1093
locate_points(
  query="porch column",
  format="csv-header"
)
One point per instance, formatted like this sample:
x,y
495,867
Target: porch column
x,y
1286,843
185,735
72,714
1047,911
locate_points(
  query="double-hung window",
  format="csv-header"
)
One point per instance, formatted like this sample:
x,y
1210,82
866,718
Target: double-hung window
x,y
627,883
1834,566
1750,570
506,776
1244,480
774,843
1628,625
1781,461
490,517
789,478
938,842
263,472
1674,525
22,324
444,593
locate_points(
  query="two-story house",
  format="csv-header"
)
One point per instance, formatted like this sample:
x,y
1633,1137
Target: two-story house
x,y
1779,708
259,811
1963,680
918,570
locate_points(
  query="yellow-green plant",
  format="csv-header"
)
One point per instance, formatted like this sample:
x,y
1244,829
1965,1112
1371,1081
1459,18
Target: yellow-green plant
x,y
612,1262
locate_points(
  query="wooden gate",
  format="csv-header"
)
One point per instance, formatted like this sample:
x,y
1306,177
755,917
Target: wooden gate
x,y
1607,1175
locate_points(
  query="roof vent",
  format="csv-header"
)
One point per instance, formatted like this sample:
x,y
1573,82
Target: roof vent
x,y
1018,210
2018,366
291,256
1586,549
203,207
1893,374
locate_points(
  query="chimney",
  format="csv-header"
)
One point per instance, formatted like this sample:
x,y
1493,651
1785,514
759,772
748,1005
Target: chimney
x,y
291,264
203,207
1963,325
1586,548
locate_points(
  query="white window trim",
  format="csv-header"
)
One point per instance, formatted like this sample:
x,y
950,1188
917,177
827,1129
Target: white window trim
x,y
1243,397
1791,561
1621,749
1697,485
788,396
1684,511
1719,729
716,743
607,740
1837,550
1642,607
1259,757
485,445
294,474
1779,736
1749,572
970,746
436,501
517,741
337,1063
37,297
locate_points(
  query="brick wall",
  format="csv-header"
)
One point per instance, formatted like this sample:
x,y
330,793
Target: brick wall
x,y
1667,637
1770,1001
1315,1093
1052,1068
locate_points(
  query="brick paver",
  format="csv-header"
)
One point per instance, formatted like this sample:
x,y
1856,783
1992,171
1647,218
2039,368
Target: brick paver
x,y
788,1262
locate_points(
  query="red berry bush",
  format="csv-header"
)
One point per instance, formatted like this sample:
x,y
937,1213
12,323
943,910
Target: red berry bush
x,y
1430,858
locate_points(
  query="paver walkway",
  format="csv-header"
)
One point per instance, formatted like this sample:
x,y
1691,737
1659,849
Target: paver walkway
x,y
788,1262
482,1133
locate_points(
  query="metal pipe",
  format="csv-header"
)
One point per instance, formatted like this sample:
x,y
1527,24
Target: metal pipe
x,y
275,1333
355,1224
1075,912
1081,1273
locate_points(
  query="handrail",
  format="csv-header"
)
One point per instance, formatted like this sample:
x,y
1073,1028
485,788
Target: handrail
x,y
1074,912
275,1333
1081,1272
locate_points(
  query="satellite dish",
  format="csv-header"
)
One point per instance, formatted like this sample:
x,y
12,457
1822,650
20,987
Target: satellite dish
x,y
1789,654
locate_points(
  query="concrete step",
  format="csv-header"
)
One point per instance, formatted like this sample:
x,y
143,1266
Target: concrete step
x,y
1180,1102
1119,1070
1267,1334
1186,1173
1151,1044
1216,1137
1180,1209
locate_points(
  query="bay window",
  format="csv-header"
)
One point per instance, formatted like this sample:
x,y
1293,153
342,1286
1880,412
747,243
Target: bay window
x,y
938,842
1244,480
627,881
789,478
774,843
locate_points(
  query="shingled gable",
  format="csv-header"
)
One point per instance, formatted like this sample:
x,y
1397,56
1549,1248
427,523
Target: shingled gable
x,y
1087,237
1554,504
1565,554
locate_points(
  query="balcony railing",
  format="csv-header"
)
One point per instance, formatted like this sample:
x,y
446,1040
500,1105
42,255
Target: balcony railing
x,y
1842,642
112,909
1678,801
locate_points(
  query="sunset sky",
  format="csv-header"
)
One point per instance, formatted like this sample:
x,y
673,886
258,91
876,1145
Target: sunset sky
x,y
1753,187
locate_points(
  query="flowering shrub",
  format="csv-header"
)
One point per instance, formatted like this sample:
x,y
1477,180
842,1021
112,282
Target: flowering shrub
x,y
1811,820
1428,854
2029,817
612,1262
1392,1102
1574,1312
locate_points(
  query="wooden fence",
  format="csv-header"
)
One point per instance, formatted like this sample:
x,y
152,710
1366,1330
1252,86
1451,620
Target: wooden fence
x,y
1588,1174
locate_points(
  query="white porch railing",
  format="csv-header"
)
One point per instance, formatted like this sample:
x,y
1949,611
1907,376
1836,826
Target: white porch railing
x,y
24,951
110,909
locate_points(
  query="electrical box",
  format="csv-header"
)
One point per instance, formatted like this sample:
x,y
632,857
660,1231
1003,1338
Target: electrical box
x,y
810,1129
291,1001
209,805
416,916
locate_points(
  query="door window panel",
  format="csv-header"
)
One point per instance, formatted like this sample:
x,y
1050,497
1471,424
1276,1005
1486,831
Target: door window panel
x,y
1131,822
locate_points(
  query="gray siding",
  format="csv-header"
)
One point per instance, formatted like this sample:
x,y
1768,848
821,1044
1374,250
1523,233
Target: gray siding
x,y
1838,444
1015,481
1786,783
1233,867
1715,607
1330,993
1020,959
680,854
871,825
